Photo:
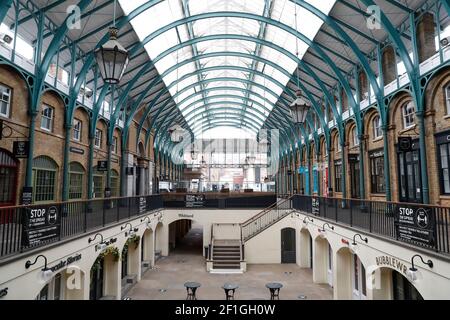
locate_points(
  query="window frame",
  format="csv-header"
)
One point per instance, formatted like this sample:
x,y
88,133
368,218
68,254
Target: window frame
x,y
439,145
9,103
376,127
80,131
114,144
98,138
374,178
338,180
355,138
405,115
51,119
35,185
447,98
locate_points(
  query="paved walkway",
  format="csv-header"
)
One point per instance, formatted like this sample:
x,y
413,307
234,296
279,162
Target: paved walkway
x,y
186,263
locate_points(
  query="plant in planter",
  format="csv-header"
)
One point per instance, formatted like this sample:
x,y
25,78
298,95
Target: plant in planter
x,y
134,239
114,251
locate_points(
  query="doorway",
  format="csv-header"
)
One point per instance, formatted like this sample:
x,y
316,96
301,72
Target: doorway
x,y
359,279
403,289
96,286
353,160
288,249
409,172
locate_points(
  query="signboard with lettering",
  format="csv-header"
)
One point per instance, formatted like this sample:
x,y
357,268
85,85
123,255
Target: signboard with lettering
x,y
102,166
315,206
415,224
194,200
142,205
76,150
41,225
21,148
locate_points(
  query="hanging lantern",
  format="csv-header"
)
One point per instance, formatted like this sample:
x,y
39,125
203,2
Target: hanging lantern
x,y
299,109
194,153
112,59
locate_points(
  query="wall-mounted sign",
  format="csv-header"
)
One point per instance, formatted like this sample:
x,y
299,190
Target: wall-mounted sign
x,y
194,200
41,225
315,206
129,171
183,215
142,205
415,224
76,150
392,262
21,149
102,166
115,160
65,263
27,196
353,157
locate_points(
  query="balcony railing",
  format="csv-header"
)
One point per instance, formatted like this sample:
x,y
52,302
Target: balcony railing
x,y
23,228
419,225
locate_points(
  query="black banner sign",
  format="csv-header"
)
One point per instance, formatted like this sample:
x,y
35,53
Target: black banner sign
x,y
41,225
415,224
315,206
21,149
195,200
142,205
102,166
76,150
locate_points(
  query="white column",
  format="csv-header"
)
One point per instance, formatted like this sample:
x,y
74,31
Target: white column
x,y
320,268
134,260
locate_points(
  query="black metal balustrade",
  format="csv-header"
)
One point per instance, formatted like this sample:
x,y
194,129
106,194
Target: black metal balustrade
x,y
386,219
24,228
420,225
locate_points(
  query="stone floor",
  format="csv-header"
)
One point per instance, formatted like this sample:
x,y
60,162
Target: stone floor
x,y
186,263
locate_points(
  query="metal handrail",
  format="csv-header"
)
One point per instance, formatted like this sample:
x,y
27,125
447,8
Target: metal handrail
x,y
273,206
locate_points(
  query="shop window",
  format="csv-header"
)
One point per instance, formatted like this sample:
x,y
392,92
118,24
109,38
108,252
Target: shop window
x,y
447,98
5,100
77,125
76,174
47,116
98,181
8,178
408,114
44,179
376,124
338,176
98,138
444,162
378,184
115,191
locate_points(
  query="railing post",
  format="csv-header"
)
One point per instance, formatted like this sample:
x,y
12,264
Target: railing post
x,y
104,212
85,215
370,216
351,213
336,203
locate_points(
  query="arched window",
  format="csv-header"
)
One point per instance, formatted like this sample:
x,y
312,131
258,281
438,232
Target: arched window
x,y
447,98
8,178
338,144
98,180
45,173
355,137
408,114
115,191
376,124
76,174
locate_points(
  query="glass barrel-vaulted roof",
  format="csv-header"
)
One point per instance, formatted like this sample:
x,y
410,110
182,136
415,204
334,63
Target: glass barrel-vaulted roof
x,y
219,78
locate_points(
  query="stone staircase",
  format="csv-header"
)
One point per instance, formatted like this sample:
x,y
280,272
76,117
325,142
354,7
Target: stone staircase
x,y
226,254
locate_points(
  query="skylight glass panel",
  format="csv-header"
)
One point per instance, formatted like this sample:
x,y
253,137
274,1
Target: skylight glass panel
x,y
170,11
